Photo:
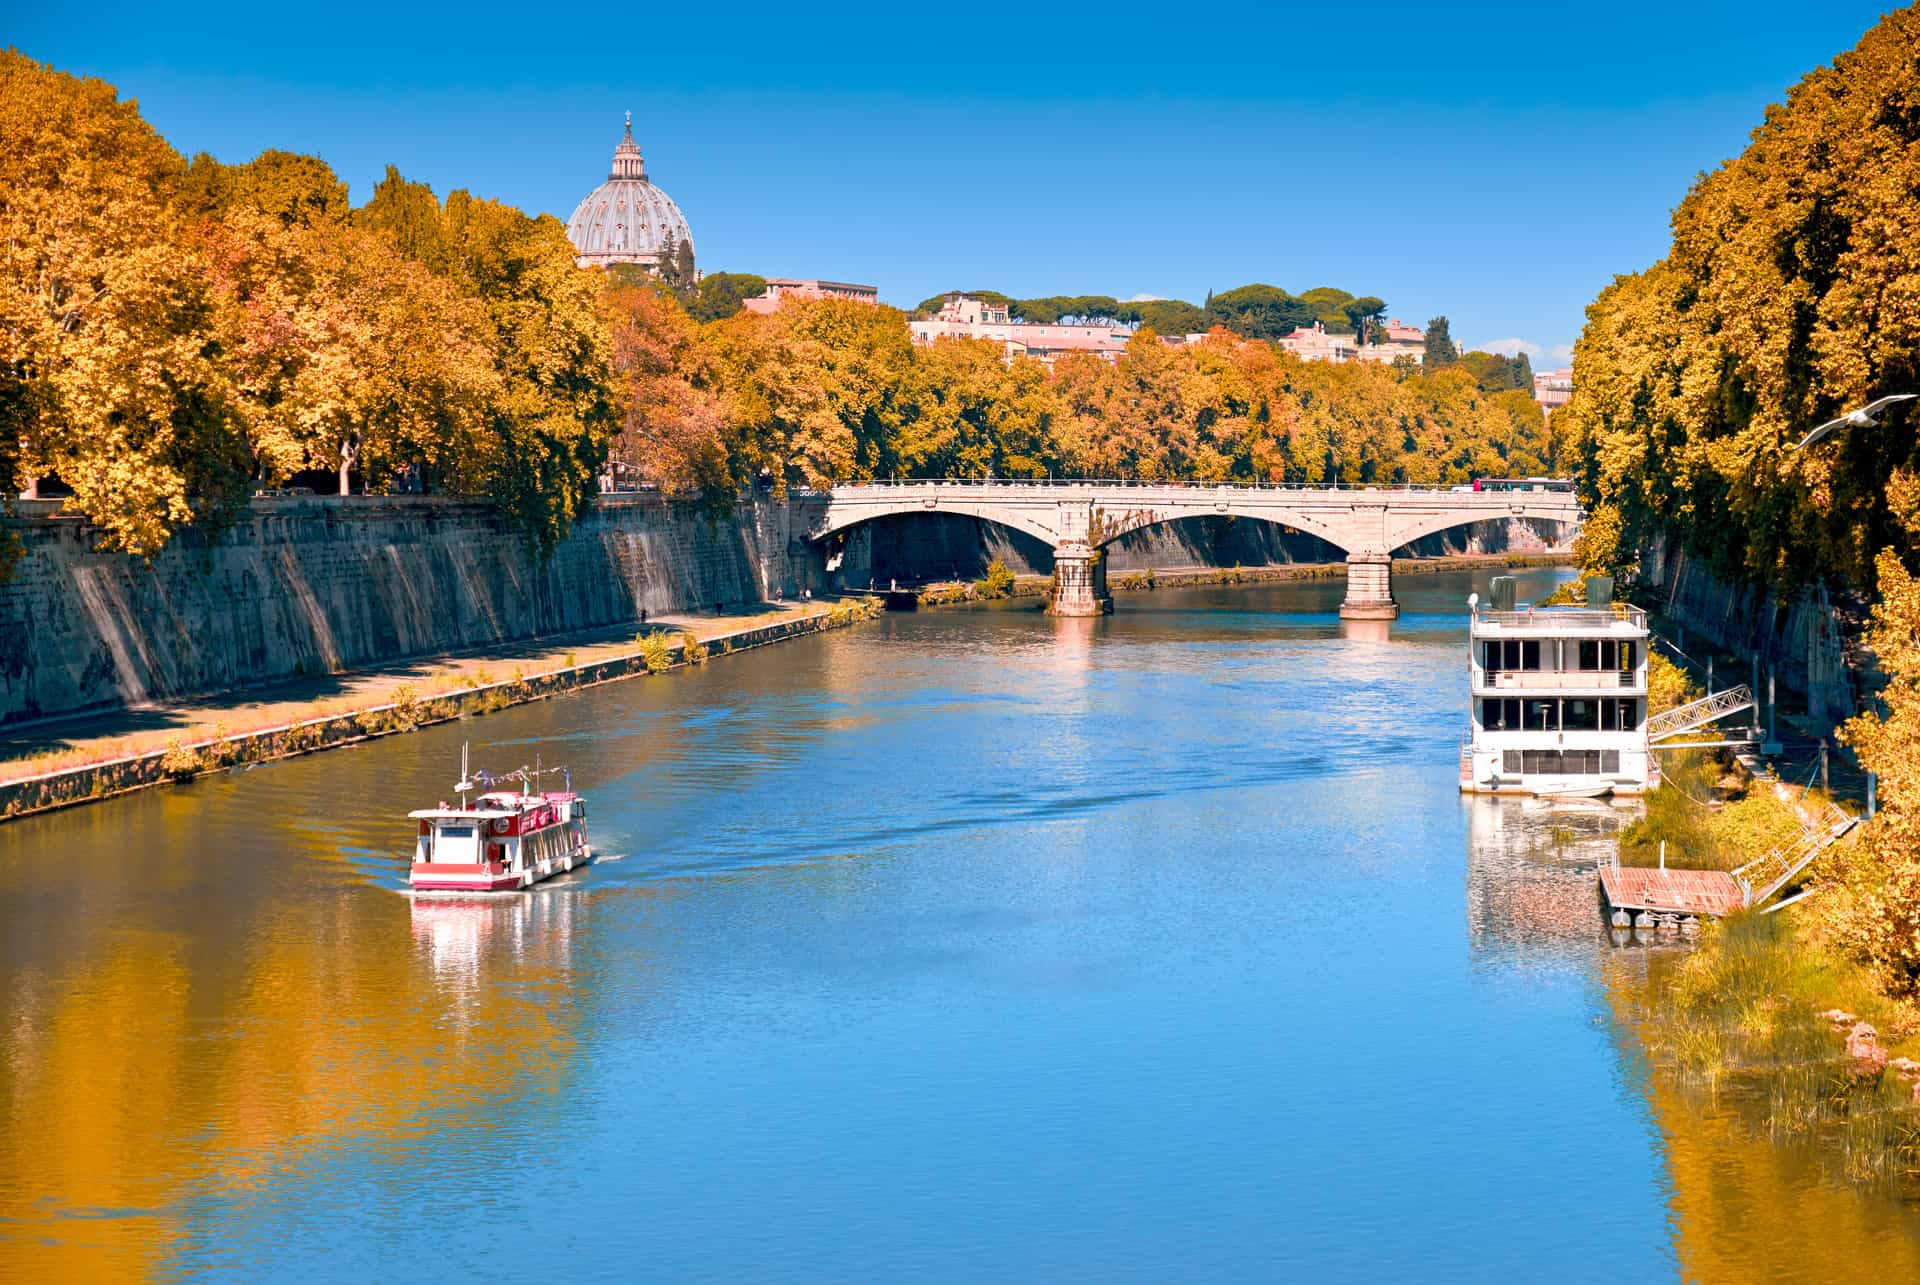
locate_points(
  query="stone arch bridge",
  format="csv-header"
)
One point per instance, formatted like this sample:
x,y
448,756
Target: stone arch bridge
x,y
1079,519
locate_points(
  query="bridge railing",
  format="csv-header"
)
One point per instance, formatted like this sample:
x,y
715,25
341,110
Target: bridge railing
x,y
1181,484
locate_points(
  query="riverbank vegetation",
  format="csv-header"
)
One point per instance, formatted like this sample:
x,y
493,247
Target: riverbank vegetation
x,y
178,333
1788,297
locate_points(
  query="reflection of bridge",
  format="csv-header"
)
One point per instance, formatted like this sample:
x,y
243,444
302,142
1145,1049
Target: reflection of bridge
x,y
1080,518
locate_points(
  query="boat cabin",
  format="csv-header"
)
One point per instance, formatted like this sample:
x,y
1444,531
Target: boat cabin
x,y
1558,701
508,839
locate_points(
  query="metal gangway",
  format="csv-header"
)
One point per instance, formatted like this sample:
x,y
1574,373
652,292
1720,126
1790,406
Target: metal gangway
x,y
1695,715
1761,879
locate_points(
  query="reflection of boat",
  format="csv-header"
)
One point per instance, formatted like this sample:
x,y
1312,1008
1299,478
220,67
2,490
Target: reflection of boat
x,y
509,839
1566,787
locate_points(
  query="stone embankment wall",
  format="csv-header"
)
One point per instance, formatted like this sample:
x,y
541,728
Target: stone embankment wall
x,y
1801,637
952,547
315,585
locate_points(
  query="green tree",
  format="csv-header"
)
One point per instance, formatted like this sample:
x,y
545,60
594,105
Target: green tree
x,y
1329,308
721,294
1440,349
1260,312
1365,315
1172,316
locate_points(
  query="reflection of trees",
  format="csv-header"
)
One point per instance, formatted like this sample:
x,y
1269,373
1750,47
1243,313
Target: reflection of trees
x,y
1744,1207
151,1063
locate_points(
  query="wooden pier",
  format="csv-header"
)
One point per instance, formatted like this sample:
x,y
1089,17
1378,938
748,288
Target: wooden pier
x,y
1688,894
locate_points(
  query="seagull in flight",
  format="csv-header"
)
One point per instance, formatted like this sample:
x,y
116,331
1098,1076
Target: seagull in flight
x,y
1868,414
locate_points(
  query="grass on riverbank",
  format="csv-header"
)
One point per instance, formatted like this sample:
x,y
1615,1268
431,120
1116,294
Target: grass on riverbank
x,y
1740,1016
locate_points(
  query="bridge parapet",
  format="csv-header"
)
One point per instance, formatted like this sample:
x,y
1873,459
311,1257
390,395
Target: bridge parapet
x,y
1078,518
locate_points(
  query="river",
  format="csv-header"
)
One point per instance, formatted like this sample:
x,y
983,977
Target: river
x,y
961,945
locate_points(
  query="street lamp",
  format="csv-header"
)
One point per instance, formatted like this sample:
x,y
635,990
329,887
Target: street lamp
x,y
1868,414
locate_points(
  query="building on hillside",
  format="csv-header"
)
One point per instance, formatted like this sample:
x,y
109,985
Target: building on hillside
x,y
1397,340
782,288
1316,343
627,219
1552,389
963,317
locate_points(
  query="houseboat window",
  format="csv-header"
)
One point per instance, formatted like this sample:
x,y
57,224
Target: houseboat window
x,y
1500,715
455,843
1609,760
1580,716
1628,657
1492,661
1511,761
1540,716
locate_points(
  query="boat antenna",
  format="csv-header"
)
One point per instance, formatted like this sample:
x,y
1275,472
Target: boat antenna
x,y
466,782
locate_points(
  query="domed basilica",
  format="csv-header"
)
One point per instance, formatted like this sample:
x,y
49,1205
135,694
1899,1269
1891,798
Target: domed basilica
x,y
627,219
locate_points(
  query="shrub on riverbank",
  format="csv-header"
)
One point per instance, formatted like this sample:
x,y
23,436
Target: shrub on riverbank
x,y
656,653
998,582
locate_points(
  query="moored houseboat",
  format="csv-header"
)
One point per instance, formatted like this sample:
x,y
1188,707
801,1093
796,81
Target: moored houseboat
x,y
507,839
1558,699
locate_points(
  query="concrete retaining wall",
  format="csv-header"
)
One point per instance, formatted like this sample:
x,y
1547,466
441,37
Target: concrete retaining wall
x,y
313,585
1801,636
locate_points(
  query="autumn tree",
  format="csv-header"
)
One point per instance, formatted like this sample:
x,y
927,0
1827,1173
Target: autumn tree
x,y
670,430
1790,294
108,369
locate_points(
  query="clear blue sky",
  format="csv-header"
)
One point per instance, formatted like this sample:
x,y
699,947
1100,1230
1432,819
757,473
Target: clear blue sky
x,y
1495,166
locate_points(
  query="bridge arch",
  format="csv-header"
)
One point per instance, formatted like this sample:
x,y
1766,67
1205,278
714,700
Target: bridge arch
x,y
1286,520
1013,519
1418,526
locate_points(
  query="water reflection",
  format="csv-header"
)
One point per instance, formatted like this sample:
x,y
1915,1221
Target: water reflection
x,y
1371,631
1033,943
1531,867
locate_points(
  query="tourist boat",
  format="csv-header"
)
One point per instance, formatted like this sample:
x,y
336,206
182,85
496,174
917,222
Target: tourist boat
x,y
506,840
1559,698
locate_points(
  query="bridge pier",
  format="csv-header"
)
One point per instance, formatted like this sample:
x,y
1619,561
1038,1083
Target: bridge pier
x,y
1079,581
1369,588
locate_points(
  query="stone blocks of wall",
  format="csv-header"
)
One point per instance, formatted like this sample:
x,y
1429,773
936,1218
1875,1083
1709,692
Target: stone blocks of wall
x,y
314,585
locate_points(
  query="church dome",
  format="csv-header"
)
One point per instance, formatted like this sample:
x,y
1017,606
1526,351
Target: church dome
x,y
626,219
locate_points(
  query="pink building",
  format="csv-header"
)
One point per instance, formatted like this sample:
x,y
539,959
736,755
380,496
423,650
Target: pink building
x,y
1553,389
779,288
962,317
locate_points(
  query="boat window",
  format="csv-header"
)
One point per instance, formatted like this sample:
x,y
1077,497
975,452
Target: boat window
x,y
1530,654
1628,658
1540,716
456,843
1580,715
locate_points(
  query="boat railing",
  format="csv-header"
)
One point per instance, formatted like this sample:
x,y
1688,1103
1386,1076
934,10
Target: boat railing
x,y
1564,617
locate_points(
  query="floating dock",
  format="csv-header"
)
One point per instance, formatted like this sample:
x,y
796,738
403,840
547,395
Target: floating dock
x,y
1636,890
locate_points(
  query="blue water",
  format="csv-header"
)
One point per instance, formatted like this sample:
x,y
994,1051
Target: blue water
x,y
959,946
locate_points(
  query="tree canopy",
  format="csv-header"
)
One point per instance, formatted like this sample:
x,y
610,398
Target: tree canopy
x,y
1790,294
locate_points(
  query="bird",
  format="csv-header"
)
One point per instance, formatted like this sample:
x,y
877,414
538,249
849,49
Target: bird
x,y
1866,415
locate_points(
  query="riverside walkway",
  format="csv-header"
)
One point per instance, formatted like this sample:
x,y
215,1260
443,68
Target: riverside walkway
x,y
1080,518
29,749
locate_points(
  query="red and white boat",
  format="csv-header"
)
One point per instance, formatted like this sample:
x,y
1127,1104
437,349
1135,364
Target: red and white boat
x,y
506,840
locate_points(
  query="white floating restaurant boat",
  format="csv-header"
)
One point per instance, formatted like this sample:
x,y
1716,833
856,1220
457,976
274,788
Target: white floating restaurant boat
x,y
506,840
